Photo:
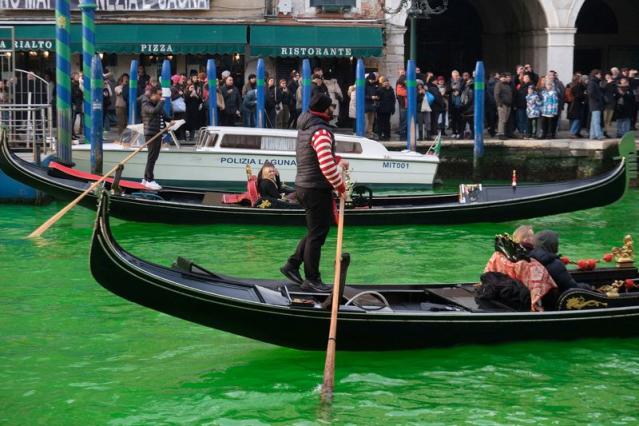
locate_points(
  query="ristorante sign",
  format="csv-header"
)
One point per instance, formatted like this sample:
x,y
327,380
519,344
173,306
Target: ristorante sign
x,y
315,51
111,5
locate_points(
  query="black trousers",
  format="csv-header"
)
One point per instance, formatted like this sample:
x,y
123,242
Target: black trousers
x,y
383,118
318,205
548,127
151,157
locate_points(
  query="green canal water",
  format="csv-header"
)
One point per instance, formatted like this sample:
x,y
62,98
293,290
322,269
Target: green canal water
x,y
73,354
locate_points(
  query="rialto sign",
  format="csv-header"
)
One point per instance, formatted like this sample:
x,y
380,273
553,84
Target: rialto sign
x,y
316,51
111,5
27,45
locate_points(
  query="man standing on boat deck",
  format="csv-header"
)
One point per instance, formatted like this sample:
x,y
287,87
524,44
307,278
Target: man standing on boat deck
x,y
152,109
317,177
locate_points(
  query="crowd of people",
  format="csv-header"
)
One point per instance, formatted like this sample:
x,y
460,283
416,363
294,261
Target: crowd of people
x,y
190,100
522,104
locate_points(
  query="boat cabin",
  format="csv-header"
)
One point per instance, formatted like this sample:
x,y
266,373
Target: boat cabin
x,y
279,141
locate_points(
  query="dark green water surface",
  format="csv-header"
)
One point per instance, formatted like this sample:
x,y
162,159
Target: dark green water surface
x,y
72,353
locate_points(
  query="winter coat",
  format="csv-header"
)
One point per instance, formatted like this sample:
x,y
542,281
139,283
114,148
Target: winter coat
x,y
292,89
609,92
386,102
545,252
309,174
439,104
549,103
624,104
520,96
249,102
533,105
595,95
577,106
232,99
503,94
468,100
352,103
369,91
151,116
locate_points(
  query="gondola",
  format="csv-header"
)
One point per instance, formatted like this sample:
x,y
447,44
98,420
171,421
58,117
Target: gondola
x,y
371,317
184,206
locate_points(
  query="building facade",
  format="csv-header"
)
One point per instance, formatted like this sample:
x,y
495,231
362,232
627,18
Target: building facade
x,y
564,35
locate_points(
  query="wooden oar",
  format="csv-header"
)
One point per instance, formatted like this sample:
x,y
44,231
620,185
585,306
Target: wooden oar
x,y
46,225
329,366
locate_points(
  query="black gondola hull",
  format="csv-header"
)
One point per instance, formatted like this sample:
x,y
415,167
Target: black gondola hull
x,y
239,307
523,203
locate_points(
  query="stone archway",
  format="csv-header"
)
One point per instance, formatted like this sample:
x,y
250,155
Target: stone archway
x,y
606,34
506,32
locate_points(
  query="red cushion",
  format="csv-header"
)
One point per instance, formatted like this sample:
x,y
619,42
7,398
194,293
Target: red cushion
x,y
91,177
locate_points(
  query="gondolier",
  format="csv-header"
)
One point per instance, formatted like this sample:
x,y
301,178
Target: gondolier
x,y
152,107
317,177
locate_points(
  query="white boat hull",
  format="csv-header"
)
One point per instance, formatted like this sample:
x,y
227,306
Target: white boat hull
x,y
217,167
227,171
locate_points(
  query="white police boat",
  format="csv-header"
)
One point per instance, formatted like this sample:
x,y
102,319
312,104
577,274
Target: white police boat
x,y
219,159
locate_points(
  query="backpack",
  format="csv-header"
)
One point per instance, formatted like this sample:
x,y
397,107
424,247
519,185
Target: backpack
x,y
498,287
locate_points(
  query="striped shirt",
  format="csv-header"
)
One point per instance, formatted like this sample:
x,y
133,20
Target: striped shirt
x,y
322,141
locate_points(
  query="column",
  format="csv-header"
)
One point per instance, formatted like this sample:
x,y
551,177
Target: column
x,y
561,51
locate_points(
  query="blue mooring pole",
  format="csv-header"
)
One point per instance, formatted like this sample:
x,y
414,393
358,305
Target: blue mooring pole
x,y
63,79
97,96
411,111
211,76
306,85
480,93
133,91
165,84
260,121
360,94
88,52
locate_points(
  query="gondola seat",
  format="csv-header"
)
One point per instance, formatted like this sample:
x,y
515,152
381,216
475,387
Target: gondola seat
x,y
57,169
249,197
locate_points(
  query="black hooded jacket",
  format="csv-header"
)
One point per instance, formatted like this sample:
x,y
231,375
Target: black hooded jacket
x,y
545,251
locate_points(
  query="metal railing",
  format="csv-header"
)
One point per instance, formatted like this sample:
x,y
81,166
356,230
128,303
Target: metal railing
x,y
27,126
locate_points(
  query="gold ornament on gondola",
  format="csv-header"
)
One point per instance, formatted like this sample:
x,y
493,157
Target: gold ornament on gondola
x,y
624,255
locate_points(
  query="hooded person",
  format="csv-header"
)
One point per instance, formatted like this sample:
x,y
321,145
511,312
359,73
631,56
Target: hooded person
x,y
545,251
316,179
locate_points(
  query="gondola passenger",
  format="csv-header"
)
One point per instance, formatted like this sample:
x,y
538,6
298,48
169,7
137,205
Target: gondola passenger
x,y
273,194
528,271
546,247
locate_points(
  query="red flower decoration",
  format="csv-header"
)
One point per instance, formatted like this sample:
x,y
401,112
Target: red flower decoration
x,y
607,257
630,283
565,260
592,264
582,264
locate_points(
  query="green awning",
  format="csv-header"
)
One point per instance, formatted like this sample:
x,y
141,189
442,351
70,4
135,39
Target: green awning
x,y
308,41
141,38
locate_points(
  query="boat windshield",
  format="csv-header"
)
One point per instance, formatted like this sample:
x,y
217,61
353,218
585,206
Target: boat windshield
x,y
206,140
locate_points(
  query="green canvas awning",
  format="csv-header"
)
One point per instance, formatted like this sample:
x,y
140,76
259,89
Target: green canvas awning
x,y
141,38
304,41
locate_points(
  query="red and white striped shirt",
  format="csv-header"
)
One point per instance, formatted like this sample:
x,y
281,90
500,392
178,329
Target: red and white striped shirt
x,y
321,141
